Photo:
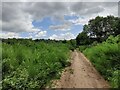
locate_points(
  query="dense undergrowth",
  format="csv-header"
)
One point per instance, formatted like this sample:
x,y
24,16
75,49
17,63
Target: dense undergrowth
x,y
29,64
106,58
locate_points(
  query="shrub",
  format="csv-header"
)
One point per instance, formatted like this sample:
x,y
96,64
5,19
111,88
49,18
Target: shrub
x,y
32,64
106,58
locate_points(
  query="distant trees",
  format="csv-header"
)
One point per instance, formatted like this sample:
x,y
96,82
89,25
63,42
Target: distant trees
x,y
99,29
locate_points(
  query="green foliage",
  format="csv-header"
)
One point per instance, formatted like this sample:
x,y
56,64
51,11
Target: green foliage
x,y
72,44
96,42
115,79
82,39
102,27
106,58
32,64
99,29
83,47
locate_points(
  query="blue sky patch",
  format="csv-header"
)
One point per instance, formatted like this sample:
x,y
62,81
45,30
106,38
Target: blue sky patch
x,y
46,22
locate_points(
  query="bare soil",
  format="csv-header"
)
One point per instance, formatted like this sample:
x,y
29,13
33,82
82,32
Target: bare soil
x,y
81,74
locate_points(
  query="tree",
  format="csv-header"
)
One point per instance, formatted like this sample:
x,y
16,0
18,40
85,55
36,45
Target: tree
x,y
99,29
82,39
102,27
117,26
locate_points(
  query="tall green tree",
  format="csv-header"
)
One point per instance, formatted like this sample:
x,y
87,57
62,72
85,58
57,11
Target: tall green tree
x,y
102,27
99,29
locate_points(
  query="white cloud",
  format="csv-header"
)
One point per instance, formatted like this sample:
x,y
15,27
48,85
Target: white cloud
x,y
66,36
90,10
80,21
63,27
17,17
40,34
61,1
9,35
33,35
108,9
44,9
0,25
14,19
19,25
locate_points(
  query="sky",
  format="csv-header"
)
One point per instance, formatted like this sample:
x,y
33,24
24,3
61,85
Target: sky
x,y
50,20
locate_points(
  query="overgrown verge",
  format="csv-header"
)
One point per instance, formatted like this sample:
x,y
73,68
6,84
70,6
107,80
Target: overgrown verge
x,y
29,64
106,58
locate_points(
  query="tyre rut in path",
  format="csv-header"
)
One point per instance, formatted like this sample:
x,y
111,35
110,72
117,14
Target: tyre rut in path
x,y
81,74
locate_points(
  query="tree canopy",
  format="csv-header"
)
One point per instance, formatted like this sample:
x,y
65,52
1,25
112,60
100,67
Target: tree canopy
x,y
99,29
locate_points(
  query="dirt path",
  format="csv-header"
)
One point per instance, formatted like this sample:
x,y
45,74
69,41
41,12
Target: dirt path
x,y
81,74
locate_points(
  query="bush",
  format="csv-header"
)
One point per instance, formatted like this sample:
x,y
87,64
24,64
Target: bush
x,y
83,47
106,58
32,64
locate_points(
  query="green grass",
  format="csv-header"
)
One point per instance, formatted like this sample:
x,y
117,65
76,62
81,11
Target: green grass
x,y
106,58
83,47
32,64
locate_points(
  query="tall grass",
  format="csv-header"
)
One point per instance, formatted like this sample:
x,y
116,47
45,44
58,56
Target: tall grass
x,y
32,65
106,58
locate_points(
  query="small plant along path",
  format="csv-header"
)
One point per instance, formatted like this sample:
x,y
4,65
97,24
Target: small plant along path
x,y
81,74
